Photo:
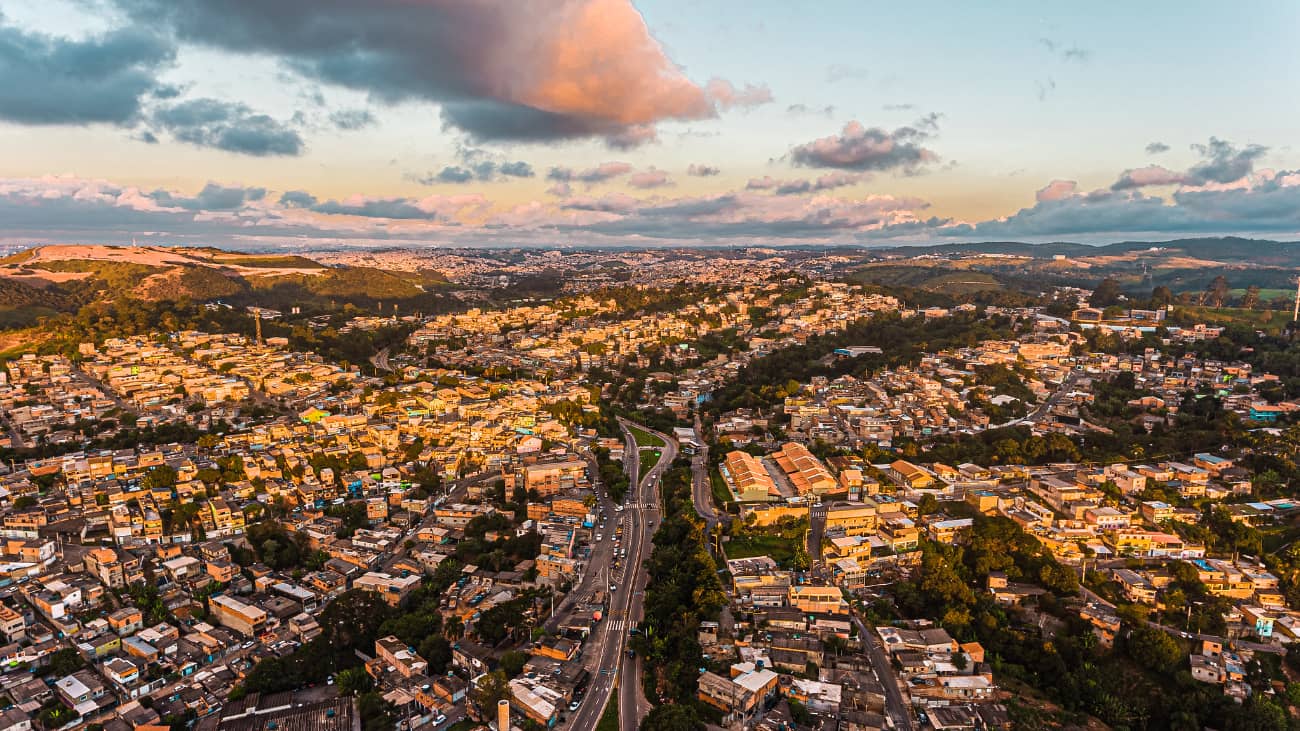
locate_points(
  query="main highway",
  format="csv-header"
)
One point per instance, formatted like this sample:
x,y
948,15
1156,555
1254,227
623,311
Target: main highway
x,y
606,651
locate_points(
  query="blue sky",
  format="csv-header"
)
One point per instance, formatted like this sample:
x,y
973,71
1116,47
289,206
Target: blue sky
x,y
488,123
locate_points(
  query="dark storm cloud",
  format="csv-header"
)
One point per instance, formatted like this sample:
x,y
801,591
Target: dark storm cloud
x,y
228,126
1155,148
50,80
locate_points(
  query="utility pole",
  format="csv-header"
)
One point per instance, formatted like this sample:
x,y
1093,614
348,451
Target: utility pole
x,y
1295,313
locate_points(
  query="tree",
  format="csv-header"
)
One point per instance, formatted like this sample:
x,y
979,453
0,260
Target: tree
x,y
672,717
163,476
513,663
1161,296
65,662
436,650
799,713
354,681
376,713
1152,648
491,687
1217,292
1251,299
1106,294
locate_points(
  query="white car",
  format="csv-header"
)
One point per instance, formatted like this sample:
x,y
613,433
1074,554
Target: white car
x,y
440,719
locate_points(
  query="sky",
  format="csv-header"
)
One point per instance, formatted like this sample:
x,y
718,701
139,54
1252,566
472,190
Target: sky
x,y
272,123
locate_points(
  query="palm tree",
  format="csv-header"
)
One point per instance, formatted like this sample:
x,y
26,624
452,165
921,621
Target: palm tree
x,y
454,628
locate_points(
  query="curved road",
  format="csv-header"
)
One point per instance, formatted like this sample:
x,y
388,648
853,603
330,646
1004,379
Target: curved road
x,y
701,487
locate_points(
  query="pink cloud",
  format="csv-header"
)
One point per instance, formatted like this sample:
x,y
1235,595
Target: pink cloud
x,y
1149,175
726,95
1057,190
650,178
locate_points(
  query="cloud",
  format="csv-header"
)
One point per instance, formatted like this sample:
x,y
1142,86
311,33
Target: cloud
x,y
1056,190
701,170
101,79
476,164
751,215
727,96
829,181
766,182
826,111
612,203
1155,148
1149,175
841,72
213,197
352,119
228,126
1066,53
1045,87
297,199
517,169
863,148
898,107
454,174
538,70
1264,203
365,206
650,178
561,190
603,172
66,209
1223,162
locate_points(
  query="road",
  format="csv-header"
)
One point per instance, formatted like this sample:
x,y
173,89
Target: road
x,y
1067,384
380,360
896,708
701,487
606,649
633,706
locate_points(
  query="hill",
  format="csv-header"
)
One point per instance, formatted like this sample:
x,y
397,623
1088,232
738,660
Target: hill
x,y
64,277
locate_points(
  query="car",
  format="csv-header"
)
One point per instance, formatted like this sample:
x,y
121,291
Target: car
x,y
246,645
613,587
440,719
574,706
599,537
